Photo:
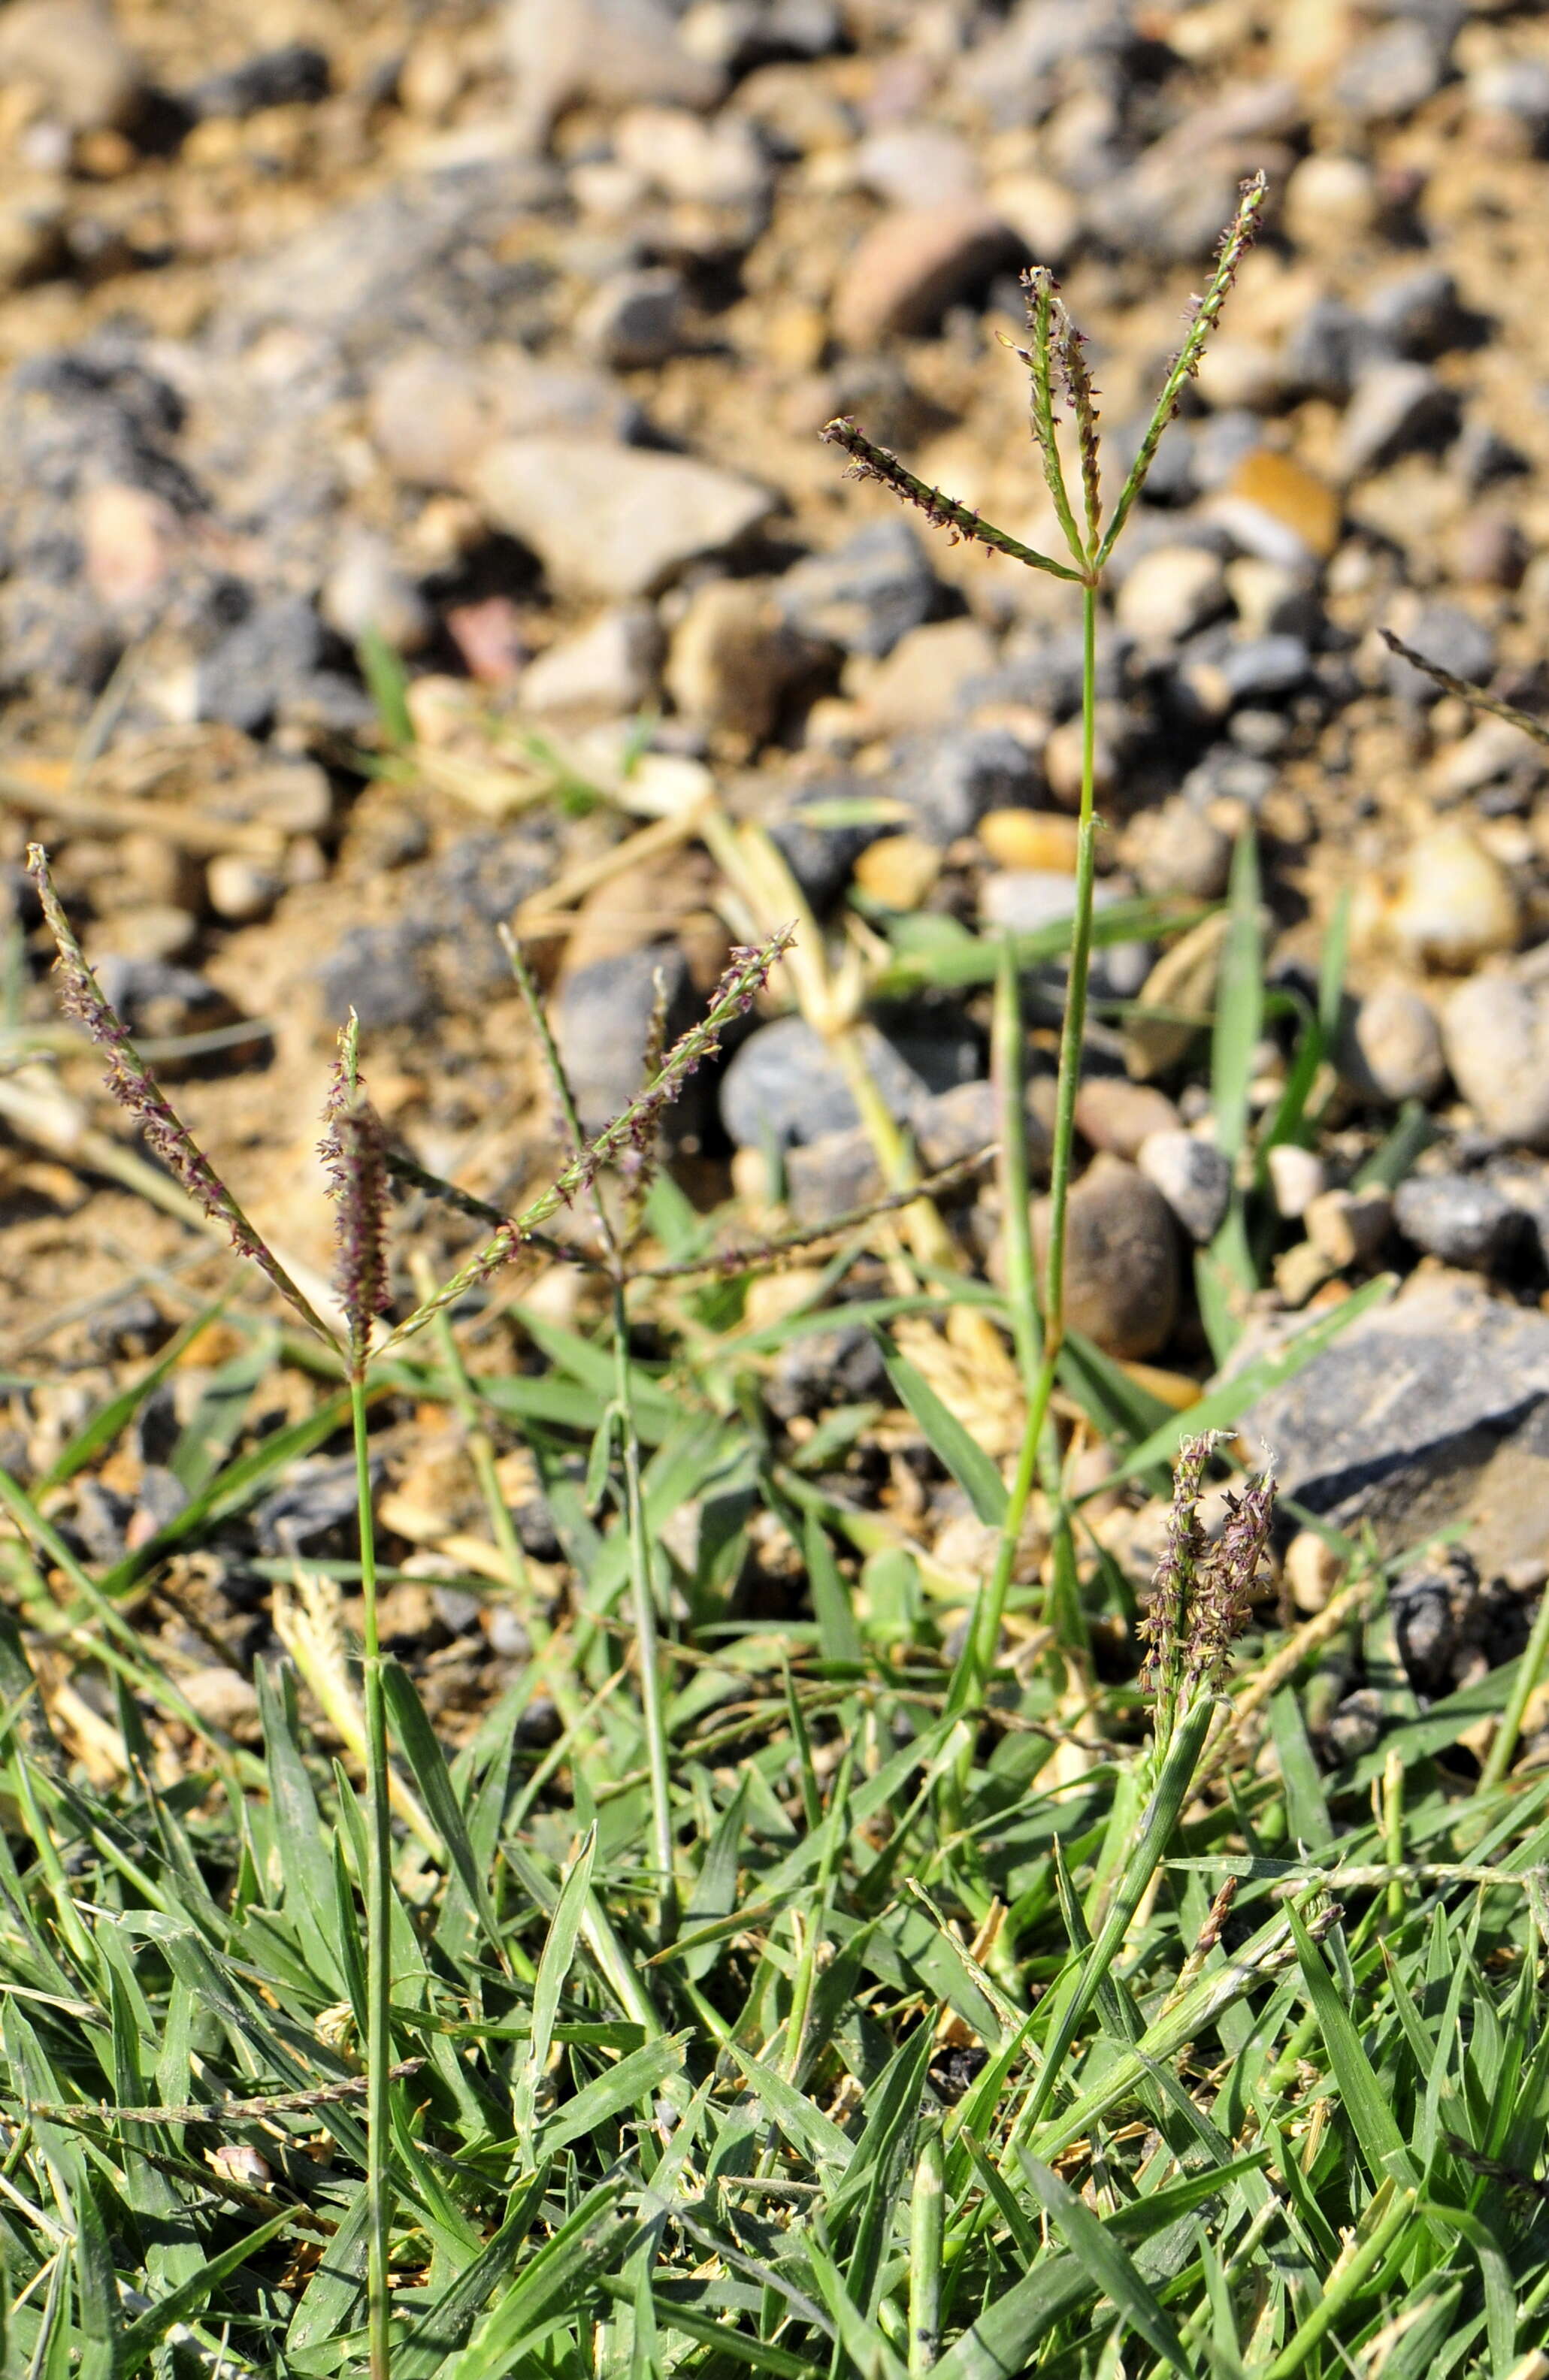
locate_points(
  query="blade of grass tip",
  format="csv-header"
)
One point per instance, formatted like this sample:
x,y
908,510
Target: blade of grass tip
x,y
643,1590
926,2235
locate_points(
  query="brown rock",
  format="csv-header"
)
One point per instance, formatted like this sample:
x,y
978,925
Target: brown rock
x,y
912,266
898,869
1045,840
1349,1227
1117,1115
1278,510
1121,1260
734,658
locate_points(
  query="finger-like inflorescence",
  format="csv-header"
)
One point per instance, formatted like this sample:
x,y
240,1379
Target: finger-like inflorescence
x,y
353,1149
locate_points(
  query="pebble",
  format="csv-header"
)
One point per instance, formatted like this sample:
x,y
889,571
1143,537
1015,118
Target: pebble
x,y
1044,840
1495,1032
601,1018
262,666
634,319
948,782
1513,87
431,417
613,521
716,163
1349,1227
1313,1571
832,1175
1325,347
898,870
620,53
1122,1272
70,51
1178,849
1391,72
913,264
1193,1176
1391,1047
367,591
1395,407
865,594
1296,1178
1170,592
1118,1115
297,74
1330,201
1454,903
921,678
602,672
734,658
226,1700
240,888
822,857
1272,508
130,537
1044,213
32,246
1417,314
1022,900
784,1085
1457,1217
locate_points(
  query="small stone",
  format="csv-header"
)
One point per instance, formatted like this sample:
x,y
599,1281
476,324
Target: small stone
x,y
1121,1265
1023,900
831,1176
32,244
1355,1728
864,595
430,416
827,1368
1183,980
614,521
1495,1032
915,264
916,165
1272,599
1170,592
948,782
1296,1178
635,319
784,1085
1117,1115
602,672
1193,1176
262,666
295,75
822,857
1417,314
602,1021
1350,1226
1313,1571
715,163
1046,841
1487,548
1276,509
366,592
898,870
226,1700
1326,345
1513,86
1330,201
491,637
70,52
1392,1048
240,888
1454,903
1444,633
1396,407
1459,1218
734,658
130,536
1044,216
1391,72
1178,849
618,52
921,676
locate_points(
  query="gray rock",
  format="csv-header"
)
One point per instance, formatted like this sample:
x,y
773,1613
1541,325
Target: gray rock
x,y
612,521
784,1086
1447,634
1396,407
1495,1032
1417,314
825,1368
602,1019
267,662
949,781
1122,1277
1356,1726
1433,1410
1391,71
822,857
832,1176
1327,344
1178,849
380,971
635,319
1432,1607
1264,668
864,595
1517,87
1391,1047
1194,1178
295,74
618,52
1457,1217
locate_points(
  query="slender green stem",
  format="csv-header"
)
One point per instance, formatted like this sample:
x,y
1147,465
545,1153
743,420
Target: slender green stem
x,y
648,1652
927,2232
379,1888
1529,1670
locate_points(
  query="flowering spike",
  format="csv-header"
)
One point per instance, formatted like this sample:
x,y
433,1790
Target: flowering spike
x,y
869,461
353,1149
138,1092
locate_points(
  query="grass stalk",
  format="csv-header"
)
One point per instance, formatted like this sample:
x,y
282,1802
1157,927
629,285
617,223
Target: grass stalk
x,y
379,1887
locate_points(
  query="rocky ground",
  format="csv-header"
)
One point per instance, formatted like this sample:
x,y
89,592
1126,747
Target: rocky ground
x,y
411,489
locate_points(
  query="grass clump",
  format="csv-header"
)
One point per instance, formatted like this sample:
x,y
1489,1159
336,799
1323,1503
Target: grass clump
x,y
811,1993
